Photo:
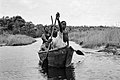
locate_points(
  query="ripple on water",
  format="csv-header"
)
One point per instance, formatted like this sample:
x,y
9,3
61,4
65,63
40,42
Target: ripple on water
x,y
21,63
99,67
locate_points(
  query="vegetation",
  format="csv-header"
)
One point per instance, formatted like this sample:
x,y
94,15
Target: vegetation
x,y
13,30
17,25
96,37
14,40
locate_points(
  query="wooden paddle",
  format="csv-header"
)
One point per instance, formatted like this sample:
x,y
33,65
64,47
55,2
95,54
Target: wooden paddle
x,y
45,62
77,51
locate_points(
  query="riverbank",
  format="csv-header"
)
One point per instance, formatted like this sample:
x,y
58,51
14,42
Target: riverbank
x,y
96,38
15,40
92,39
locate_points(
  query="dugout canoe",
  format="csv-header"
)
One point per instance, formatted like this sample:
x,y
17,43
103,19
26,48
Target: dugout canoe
x,y
60,57
59,73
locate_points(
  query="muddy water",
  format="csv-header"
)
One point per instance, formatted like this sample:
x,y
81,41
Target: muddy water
x,y
21,63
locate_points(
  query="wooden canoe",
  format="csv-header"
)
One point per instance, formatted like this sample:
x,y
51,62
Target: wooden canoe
x,y
60,57
59,73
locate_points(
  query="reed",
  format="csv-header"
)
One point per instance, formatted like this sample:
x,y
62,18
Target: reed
x,y
14,40
97,38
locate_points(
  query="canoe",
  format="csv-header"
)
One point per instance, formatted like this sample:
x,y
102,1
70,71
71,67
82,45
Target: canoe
x,y
60,57
59,73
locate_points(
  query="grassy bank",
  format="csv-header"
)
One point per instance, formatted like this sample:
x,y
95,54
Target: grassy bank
x,y
14,40
96,38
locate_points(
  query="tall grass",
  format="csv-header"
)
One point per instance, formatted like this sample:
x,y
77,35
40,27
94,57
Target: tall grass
x,y
12,40
3,39
96,38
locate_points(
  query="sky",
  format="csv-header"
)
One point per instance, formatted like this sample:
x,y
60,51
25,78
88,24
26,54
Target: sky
x,y
74,12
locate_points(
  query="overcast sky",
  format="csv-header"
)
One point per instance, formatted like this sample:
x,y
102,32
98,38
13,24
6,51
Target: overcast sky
x,y
75,12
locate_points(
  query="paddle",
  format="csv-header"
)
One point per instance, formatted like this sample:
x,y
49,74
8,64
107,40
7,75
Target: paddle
x,y
45,62
77,51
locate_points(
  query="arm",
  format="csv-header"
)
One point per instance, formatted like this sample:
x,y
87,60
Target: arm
x,y
44,38
66,37
60,26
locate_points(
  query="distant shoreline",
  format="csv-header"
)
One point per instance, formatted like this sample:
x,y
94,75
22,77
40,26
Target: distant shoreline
x,y
89,38
15,40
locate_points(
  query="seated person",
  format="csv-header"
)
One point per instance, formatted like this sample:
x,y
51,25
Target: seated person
x,y
45,38
60,38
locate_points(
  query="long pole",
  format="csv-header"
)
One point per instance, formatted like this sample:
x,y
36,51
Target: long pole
x,y
45,62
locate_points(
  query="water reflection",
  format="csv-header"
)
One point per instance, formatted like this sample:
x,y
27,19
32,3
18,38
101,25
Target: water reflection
x,y
53,73
21,63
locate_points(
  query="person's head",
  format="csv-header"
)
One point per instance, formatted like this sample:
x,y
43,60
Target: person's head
x,y
63,24
47,31
55,32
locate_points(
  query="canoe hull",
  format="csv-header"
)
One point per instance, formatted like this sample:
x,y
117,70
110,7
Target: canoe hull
x,y
58,57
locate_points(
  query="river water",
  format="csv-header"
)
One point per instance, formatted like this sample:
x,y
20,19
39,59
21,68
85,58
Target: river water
x,y
21,63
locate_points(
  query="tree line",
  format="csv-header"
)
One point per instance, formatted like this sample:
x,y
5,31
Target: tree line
x,y
17,25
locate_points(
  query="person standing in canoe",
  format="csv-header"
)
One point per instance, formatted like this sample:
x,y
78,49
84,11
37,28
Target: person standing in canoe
x,y
60,38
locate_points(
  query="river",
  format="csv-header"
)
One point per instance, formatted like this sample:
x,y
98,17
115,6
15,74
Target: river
x,y
21,63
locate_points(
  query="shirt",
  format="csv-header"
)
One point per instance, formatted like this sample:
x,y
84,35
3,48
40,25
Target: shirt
x,y
58,41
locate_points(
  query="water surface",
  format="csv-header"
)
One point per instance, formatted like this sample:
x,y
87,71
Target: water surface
x,y
21,63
